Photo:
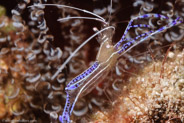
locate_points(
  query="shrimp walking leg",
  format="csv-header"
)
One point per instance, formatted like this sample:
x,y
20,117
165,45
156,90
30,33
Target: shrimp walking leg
x,y
127,46
139,25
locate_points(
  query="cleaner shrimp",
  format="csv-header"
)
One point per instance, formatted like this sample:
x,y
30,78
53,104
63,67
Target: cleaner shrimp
x,y
107,55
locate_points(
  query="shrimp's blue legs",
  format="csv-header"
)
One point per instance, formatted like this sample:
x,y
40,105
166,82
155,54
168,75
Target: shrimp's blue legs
x,y
147,35
140,25
65,118
71,91
78,80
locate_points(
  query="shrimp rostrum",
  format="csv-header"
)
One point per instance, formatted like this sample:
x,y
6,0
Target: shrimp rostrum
x,y
107,55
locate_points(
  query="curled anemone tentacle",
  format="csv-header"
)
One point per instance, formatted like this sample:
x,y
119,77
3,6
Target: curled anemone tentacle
x,y
37,77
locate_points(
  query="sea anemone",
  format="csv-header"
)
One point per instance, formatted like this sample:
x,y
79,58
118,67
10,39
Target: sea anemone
x,y
146,84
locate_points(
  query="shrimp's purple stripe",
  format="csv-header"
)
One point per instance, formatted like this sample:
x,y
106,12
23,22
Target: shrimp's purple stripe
x,y
83,75
130,25
148,34
153,15
126,45
75,83
141,25
65,116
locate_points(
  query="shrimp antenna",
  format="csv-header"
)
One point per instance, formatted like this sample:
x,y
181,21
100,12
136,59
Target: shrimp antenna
x,y
125,21
72,54
65,6
88,18
110,11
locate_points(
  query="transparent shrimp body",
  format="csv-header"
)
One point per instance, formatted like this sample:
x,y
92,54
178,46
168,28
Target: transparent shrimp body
x,y
106,58
87,81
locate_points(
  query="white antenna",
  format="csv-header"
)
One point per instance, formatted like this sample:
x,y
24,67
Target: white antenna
x,y
110,11
88,18
65,6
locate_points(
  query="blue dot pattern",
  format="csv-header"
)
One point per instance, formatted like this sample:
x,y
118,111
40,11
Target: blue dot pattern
x,y
65,117
74,83
81,76
146,35
131,41
139,25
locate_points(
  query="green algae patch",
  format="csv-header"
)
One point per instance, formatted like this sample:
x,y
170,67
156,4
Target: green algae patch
x,y
2,11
